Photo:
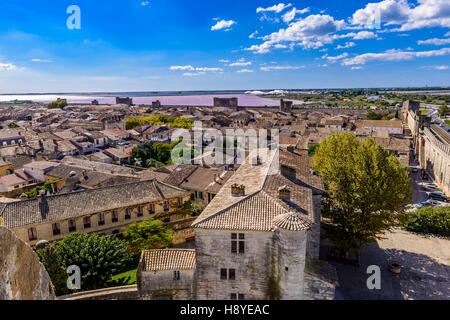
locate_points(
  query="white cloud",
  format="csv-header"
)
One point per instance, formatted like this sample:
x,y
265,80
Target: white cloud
x,y
240,64
223,24
42,60
208,69
182,68
394,55
289,16
145,3
272,68
427,13
193,74
276,8
224,60
244,71
311,32
347,45
437,67
358,35
253,35
336,58
435,41
357,68
447,34
7,67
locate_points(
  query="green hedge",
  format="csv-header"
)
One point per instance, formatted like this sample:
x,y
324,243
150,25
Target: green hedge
x,y
435,220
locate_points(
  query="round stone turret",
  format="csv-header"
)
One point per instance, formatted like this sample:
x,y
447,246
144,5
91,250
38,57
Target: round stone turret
x,y
291,236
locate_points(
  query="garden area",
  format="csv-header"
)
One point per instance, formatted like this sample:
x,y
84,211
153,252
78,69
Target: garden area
x,y
107,260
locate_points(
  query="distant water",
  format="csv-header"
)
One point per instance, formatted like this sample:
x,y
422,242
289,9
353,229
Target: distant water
x,y
197,98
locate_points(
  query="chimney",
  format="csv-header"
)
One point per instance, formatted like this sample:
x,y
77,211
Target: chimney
x,y
43,204
237,190
284,193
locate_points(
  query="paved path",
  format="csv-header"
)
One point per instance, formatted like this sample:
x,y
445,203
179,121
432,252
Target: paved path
x,y
425,269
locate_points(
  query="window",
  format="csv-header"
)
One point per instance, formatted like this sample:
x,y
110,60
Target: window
x,y
152,208
166,205
227,274
32,234
101,219
233,296
140,211
223,274
114,216
176,275
241,296
72,226
127,214
237,296
238,245
180,202
56,229
87,222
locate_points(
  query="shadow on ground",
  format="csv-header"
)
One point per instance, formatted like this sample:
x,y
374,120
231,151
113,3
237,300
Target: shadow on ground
x,y
421,278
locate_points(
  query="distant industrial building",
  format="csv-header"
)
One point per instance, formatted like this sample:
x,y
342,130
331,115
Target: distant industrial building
x,y
127,101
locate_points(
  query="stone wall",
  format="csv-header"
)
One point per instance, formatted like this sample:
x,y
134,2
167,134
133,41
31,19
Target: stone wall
x,y
157,284
22,276
290,247
317,289
253,268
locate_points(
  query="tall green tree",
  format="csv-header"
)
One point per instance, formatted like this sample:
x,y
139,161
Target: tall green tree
x,y
99,257
443,110
55,268
149,234
367,189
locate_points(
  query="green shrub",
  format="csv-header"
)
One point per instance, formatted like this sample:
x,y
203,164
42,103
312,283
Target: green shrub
x,y
435,220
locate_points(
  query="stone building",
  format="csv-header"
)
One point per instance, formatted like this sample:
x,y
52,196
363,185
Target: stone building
x,y
431,143
285,106
156,104
127,101
104,210
226,102
257,239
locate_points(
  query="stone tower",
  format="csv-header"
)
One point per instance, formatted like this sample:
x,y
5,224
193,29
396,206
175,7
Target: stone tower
x,y
290,238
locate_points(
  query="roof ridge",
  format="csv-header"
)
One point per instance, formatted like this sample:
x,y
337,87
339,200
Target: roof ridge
x,y
61,195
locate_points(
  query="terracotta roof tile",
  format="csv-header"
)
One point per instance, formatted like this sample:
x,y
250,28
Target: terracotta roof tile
x,y
167,259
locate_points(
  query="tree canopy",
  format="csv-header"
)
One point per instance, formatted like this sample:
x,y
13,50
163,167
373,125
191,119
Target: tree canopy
x,y
159,119
367,189
58,104
443,110
149,234
55,268
99,257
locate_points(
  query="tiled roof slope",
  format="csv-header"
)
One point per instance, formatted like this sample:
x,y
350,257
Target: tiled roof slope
x,y
70,205
252,176
168,259
258,208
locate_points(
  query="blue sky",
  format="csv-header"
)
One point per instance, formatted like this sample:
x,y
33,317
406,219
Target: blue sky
x,y
159,45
